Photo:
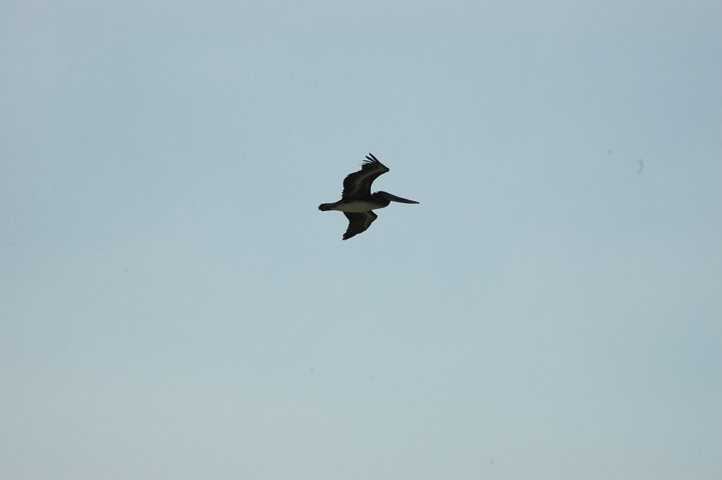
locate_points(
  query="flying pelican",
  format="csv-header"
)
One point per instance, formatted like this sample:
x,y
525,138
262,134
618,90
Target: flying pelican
x,y
357,201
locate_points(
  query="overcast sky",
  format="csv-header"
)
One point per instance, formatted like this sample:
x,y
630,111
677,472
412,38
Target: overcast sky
x,y
174,306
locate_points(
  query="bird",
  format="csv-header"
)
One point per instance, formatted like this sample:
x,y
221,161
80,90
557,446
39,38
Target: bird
x,y
357,201
640,162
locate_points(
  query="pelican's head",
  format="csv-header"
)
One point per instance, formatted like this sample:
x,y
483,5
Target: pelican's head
x,y
393,198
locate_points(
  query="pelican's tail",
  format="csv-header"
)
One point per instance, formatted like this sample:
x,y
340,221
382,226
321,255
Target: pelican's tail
x,y
326,206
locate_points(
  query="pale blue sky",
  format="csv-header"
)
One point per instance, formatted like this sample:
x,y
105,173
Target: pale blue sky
x,y
174,306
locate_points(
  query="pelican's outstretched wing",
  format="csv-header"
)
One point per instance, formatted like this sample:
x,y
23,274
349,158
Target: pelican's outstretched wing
x,y
358,222
359,183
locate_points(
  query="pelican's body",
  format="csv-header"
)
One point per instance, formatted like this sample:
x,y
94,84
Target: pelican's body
x,y
357,201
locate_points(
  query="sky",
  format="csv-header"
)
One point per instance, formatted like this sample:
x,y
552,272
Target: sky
x,y
174,306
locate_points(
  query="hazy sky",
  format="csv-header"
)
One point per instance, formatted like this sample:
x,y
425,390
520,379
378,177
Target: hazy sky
x,y
174,306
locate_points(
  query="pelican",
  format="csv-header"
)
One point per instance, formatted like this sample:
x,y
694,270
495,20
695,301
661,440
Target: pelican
x,y
357,201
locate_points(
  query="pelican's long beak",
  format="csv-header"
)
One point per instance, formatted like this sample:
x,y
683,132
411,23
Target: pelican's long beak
x,y
394,198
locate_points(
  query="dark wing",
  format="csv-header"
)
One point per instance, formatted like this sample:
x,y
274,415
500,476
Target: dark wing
x,y
359,183
358,222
